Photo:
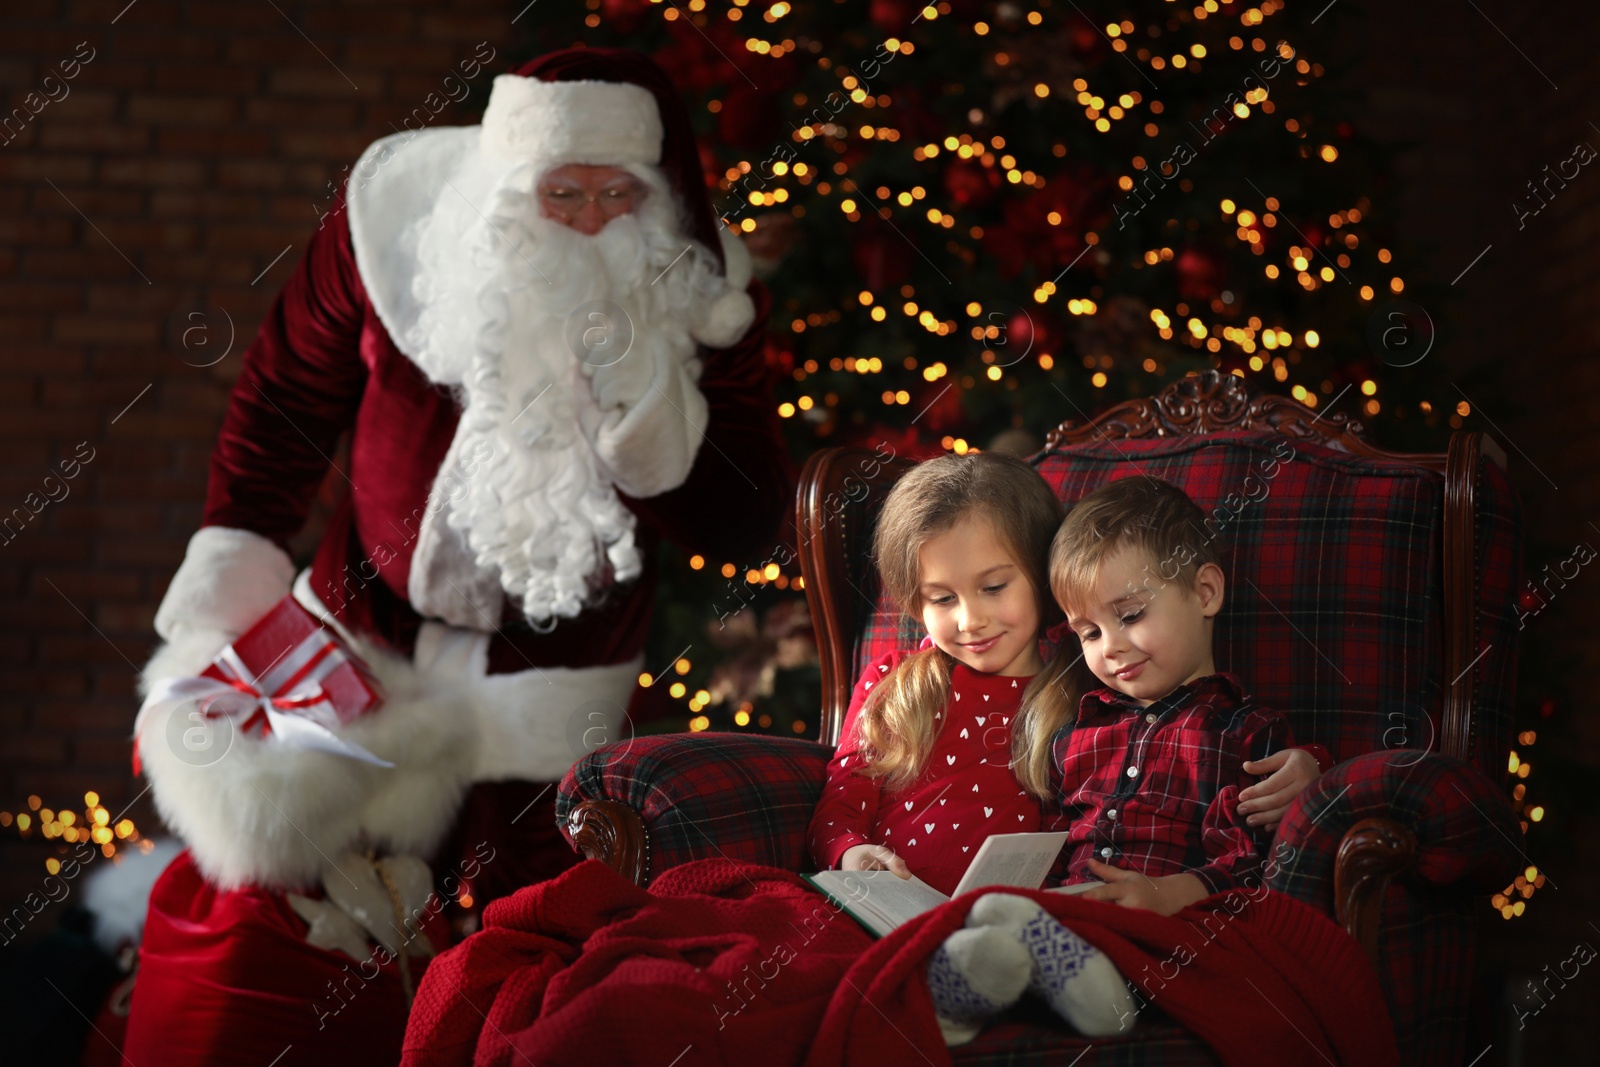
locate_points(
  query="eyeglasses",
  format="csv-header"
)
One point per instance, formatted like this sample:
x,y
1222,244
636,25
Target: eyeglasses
x,y
564,202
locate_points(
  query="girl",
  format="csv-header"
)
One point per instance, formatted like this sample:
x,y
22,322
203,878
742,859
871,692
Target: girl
x,y
949,744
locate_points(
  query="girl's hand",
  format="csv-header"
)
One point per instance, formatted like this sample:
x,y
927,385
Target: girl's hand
x,y
1290,771
873,858
1166,895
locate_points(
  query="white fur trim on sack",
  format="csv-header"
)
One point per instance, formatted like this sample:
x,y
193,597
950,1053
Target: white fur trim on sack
x,y
595,122
256,812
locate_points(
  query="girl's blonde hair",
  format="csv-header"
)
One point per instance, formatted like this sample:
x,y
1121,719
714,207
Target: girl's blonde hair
x,y
897,721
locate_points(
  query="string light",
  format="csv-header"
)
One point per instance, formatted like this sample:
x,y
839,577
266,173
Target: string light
x,y
67,826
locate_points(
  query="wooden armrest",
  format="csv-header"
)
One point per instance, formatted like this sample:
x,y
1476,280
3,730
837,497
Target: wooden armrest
x,y
1371,853
614,834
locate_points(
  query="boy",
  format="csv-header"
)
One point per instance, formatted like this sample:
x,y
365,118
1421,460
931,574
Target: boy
x,y
1152,769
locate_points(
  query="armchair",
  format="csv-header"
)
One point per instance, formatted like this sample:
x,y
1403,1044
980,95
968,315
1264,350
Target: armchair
x,y
1371,599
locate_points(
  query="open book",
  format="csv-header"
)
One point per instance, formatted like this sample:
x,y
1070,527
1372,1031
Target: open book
x,y
882,900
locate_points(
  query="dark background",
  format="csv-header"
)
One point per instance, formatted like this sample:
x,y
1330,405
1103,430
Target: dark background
x,y
153,213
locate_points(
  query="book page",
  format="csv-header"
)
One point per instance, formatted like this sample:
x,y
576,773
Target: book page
x,y
1019,860
1074,889
879,900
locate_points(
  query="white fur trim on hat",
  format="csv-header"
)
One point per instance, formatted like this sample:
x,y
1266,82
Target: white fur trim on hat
x,y
595,122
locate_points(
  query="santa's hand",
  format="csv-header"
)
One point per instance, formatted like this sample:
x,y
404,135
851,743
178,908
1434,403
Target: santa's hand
x,y
619,382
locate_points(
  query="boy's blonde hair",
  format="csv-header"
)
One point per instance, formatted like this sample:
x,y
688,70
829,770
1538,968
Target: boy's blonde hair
x,y
897,721
1151,515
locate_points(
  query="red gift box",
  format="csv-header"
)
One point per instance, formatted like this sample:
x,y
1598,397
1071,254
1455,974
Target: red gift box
x,y
290,656
288,678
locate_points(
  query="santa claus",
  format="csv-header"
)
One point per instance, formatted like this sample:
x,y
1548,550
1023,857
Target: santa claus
x,y
547,352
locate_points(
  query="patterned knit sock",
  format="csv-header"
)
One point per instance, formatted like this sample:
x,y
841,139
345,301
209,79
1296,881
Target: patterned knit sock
x,y
1078,980
975,974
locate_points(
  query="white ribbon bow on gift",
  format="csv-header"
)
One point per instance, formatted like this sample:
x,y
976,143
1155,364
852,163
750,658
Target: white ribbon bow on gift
x,y
300,718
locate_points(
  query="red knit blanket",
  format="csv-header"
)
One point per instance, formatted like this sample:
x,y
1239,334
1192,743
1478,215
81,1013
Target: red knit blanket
x,y
745,964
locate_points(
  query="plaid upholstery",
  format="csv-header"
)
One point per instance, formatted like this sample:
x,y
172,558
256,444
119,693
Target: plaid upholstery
x,y
1468,842
704,795
1334,566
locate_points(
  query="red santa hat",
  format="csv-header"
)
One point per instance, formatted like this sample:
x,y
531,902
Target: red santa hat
x,y
614,106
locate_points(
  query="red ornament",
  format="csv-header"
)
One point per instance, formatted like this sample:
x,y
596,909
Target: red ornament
x,y
900,442
892,16
709,166
1528,600
1200,274
970,185
1028,332
1084,37
1077,200
623,15
780,360
1007,248
943,411
918,123
748,117
1547,708
693,60
881,257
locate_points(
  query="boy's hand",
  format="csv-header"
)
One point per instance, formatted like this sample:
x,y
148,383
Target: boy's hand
x,y
1166,895
873,858
1290,771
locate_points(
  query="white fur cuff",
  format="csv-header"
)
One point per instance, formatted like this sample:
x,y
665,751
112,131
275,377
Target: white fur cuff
x,y
652,447
229,578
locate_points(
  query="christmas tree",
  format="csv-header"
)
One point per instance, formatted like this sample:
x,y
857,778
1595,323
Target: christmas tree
x,y
979,219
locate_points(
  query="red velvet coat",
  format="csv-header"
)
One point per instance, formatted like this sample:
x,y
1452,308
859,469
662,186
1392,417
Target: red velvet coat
x,y
323,363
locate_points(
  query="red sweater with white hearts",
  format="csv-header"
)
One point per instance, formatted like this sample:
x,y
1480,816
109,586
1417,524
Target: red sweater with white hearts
x,y
966,793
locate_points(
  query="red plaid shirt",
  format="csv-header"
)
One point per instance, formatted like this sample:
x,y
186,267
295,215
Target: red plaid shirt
x,y
1154,789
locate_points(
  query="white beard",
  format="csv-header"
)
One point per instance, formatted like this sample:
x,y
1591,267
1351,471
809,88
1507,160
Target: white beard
x,y
533,510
